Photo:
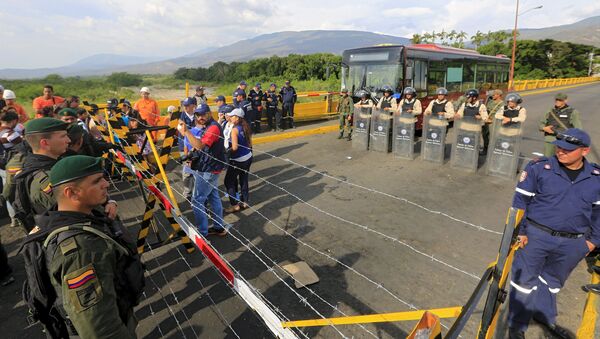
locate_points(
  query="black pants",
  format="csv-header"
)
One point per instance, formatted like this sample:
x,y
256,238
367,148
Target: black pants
x,y
257,118
5,269
237,173
272,117
288,114
485,132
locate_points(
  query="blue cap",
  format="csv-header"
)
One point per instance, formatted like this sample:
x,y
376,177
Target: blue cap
x,y
236,93
226,109
243,82
572,139
220,98
258,85
202,109
273,84
189,101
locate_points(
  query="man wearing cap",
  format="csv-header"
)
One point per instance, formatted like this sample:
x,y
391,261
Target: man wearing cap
x,y
92,261
288,98
189,105
205,142
560,196
240,89
47,99
241,102
220,101
200,96
256,97
147,107
557,119
49,140
493,106
11,101
273,113
345,111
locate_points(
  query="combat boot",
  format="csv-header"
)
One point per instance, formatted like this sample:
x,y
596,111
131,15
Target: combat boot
x,y
349,136
514,333
341,135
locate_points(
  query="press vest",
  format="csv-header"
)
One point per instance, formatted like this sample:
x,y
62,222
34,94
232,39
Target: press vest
x,y
212,158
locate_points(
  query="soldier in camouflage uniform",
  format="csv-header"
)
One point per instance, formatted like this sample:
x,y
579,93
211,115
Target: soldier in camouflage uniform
x,y
556,120
493,106
93,264
345,111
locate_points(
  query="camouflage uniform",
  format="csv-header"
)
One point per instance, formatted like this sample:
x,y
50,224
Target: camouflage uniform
x,y
567,115
345,111
493,107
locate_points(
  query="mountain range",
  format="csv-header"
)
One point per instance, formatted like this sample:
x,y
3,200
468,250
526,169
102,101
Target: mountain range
x,y
586,31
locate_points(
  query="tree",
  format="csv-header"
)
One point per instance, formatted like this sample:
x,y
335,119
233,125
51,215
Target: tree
x,y
478,38
416,39
124,79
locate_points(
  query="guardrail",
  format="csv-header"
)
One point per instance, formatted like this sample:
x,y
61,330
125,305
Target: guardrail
x,y
525,85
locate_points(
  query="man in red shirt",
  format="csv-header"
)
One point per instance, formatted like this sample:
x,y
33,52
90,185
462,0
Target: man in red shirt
x,y
47,99
147,107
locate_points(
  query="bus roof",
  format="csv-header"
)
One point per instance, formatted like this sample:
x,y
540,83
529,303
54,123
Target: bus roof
x,y
431,50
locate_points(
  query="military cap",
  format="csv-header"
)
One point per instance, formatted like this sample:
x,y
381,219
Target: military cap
x,y
560,96
44,125
75,167
68,112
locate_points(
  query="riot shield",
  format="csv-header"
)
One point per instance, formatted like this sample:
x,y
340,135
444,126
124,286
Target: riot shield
x,y
433,144
381,122
361,123
503,154
465,148
404,135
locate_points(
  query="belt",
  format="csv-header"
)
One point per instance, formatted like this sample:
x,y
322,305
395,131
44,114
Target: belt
x,y
553,232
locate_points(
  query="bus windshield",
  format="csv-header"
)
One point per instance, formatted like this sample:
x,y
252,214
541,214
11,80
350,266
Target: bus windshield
x,y
371,77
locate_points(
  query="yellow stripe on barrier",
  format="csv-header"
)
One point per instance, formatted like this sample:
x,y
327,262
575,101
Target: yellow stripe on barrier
x,y
590,316
448,312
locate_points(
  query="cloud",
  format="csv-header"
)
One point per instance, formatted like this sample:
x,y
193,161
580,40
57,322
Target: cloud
x,y
406,12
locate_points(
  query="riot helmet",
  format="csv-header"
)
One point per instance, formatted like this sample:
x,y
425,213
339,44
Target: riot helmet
x,y
514,97
410,90
472,93
441,91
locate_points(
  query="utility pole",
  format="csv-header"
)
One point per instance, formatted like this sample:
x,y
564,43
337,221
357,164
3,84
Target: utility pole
x,y
511,75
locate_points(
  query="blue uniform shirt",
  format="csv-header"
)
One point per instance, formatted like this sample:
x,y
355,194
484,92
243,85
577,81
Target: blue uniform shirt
x,y
549,198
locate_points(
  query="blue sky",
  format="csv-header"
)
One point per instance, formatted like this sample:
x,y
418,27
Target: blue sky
x,y
57,33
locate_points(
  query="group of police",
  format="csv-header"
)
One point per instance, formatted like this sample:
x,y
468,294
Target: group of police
x,y
83,273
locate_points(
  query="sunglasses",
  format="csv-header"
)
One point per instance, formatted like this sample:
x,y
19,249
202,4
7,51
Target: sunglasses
x,y
571,139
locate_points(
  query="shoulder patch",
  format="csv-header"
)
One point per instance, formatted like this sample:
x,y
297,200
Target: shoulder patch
x,y
47,189
539,159
81,279
68,245
595,172
547,166
523,176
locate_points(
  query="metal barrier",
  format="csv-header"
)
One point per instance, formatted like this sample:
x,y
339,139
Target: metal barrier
x,y
525,85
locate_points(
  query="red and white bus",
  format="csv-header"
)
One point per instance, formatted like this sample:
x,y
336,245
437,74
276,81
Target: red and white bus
x,y
424,67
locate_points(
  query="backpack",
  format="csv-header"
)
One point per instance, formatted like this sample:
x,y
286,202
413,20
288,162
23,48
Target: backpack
x,y
22,204
38,293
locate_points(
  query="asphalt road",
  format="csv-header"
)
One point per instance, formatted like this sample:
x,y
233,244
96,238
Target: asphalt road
x,y
343,233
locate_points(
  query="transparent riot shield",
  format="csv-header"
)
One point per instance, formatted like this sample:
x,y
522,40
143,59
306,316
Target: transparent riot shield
x,y
433,144
404,135
503,153
381,126
465,148
361,123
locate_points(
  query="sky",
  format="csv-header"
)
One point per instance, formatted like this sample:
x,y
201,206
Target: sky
x,y
39,34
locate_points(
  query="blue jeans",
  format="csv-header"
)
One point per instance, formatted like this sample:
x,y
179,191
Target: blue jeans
x,y
205,189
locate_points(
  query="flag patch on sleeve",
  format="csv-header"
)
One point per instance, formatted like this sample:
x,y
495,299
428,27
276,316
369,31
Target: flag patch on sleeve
x,y
81,279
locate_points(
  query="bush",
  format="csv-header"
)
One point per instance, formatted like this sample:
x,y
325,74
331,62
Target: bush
x,y
124,79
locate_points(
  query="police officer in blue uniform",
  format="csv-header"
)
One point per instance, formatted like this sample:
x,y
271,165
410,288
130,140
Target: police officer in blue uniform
x,y
561,199
288,98
239,101
273,114
256,97
240,89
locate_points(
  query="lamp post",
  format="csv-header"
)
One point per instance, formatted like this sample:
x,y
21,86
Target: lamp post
x,y
514,46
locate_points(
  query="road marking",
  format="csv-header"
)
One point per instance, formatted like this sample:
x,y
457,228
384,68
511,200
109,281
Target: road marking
x,y
553,89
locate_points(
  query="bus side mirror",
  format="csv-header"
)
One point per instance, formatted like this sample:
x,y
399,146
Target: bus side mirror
x,y
409,73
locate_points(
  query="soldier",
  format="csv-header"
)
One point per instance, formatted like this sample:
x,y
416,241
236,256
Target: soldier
x,y
273,113
288,98
493,106
472,108
441,106
512,112
410,103
345,111
49,140
559,118
200,96
388,102
256,97
92,261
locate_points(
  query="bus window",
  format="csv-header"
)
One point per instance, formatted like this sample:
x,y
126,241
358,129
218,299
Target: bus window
x,y
454,78
419,81
468,76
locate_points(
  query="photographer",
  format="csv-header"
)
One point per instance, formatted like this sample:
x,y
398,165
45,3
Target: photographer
x,y
47,99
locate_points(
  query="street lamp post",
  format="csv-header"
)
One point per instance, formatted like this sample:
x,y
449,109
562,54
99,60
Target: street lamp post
x,y
511,75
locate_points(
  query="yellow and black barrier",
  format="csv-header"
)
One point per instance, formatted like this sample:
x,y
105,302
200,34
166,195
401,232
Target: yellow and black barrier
x,y
590,315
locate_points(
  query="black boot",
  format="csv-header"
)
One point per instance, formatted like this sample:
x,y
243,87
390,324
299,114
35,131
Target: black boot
x,y
514,333
341,135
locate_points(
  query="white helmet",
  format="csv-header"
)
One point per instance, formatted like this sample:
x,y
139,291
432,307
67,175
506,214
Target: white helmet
x,y
145,89
8,94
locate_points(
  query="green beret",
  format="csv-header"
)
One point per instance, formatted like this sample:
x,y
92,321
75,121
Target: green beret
x,y
75,167
68,112
44,125
560,96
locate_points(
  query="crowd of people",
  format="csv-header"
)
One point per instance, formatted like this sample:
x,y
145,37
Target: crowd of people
x,y
54,187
